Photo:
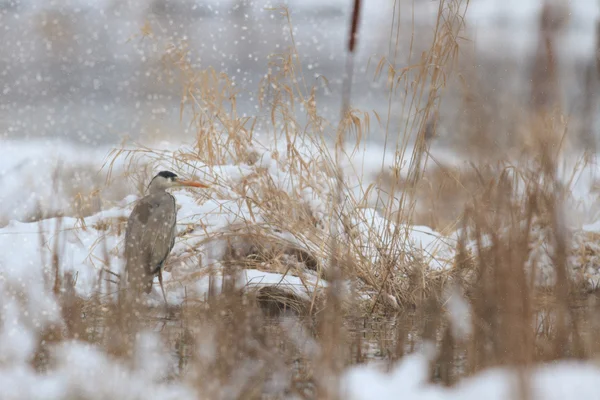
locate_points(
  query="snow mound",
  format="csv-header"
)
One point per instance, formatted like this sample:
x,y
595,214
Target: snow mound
x,y
562,380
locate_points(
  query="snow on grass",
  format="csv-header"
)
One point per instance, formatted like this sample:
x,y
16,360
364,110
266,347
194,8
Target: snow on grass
x,y
83,242
299,286
82,371
82,250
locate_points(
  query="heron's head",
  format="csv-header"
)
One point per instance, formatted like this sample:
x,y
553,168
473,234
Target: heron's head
x,y
166,179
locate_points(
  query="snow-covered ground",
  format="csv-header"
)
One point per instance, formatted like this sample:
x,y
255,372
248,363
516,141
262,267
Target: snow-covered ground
x,y
90,245
559,381
31,174
54,176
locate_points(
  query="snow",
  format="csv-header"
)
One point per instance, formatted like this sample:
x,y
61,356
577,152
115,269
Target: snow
x,y
562,380
459,313
257,279
82,242
38,174
84,372
409,377
89,245
79,366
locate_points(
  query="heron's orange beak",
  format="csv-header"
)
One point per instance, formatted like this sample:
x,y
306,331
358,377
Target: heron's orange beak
x,y
192,184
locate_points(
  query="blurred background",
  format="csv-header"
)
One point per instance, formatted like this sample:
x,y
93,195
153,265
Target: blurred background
x,y
90,72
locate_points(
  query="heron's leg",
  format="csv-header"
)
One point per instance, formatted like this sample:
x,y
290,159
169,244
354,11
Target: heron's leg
x,y
162,288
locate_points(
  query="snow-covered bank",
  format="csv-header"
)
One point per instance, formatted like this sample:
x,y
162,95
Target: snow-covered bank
x,y
46,178
205,217
89,245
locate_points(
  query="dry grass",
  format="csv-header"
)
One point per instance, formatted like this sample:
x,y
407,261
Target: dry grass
x,y
227,346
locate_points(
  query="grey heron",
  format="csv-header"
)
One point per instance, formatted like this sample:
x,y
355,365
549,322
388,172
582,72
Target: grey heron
x,y
151,232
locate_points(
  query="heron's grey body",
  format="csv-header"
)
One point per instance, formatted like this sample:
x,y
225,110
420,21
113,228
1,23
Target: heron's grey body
x,y
150,235
151,232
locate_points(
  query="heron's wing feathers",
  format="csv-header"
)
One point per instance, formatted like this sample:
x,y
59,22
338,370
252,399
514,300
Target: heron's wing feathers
x,y
150,232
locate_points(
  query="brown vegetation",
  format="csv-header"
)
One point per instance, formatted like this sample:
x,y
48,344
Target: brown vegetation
x,y
229,346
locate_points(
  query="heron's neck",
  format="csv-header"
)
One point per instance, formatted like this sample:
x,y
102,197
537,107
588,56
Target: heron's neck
x,y
156,188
